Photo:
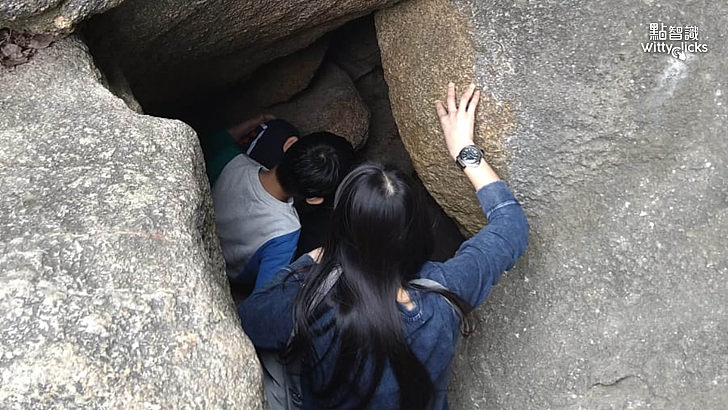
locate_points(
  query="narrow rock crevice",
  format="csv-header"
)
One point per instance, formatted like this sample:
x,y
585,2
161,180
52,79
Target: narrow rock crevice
x,y
335,84
615,383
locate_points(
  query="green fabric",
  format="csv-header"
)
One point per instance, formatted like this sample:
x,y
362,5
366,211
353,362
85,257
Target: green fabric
x,y
218,148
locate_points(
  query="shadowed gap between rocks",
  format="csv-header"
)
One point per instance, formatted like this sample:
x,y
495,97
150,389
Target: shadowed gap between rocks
x,y
336,84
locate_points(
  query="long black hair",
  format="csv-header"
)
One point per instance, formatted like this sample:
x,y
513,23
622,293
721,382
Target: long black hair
x,y
378,240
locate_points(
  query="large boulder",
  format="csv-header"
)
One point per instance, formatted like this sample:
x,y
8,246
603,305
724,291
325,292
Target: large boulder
x,y
177,51
354,47
112,287
283,78
331,103
621,161
424,45
273,83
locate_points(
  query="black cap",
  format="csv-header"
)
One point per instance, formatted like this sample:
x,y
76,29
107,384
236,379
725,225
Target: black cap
x,y
265,143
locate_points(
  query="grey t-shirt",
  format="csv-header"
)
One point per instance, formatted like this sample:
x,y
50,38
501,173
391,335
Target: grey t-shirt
x,y
247,217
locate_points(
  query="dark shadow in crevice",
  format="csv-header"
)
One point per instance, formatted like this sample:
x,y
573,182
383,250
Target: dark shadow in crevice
x,y
280,84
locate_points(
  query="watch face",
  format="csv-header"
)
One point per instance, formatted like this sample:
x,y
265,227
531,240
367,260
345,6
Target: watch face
x,y
470,156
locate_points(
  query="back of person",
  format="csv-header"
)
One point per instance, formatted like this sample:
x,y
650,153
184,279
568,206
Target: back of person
x,y
369,334
430,325
256,222
252,224
431,329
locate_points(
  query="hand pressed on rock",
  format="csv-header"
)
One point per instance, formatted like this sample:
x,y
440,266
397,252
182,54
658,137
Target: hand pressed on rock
x,y
458,124
458,121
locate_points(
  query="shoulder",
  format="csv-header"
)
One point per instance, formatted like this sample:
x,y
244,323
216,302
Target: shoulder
x,y
238,167
282,241
244,160
281,216
239,164
433,271
279,223
433,326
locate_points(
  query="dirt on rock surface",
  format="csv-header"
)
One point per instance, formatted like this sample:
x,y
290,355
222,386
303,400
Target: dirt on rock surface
x,y
18,47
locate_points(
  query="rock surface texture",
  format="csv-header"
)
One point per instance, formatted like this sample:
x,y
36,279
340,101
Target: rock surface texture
x,y
112,292
50,16
169,49
620,158
273,83
383,143
283,78
331,104
355,49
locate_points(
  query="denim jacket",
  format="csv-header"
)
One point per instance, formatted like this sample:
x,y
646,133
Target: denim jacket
x,y
431,328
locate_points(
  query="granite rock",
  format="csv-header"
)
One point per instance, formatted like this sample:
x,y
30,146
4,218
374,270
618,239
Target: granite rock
x,y
621,162
283,78
273,83
174,52
331,103
50,16
355,49
112,291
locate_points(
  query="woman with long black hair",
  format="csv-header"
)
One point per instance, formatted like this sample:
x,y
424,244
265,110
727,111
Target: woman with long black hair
x,y
372,322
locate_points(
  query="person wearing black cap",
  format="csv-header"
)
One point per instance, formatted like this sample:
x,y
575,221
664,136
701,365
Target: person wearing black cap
x,y
267,140
256,170
247,137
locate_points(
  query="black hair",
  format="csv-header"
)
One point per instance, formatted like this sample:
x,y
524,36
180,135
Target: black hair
x,y
314,165
378,240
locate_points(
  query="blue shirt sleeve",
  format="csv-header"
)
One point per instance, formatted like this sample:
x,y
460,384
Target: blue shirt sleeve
x,y
480,261
267,314
274,255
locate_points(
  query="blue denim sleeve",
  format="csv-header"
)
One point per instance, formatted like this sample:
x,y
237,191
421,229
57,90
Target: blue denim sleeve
x,y
267,314
275,254
480,261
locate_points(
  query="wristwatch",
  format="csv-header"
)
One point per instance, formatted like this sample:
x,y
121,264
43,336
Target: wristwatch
x,y
469,156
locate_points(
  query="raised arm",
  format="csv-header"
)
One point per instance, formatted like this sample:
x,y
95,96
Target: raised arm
x,y
238,131
480,260
458,123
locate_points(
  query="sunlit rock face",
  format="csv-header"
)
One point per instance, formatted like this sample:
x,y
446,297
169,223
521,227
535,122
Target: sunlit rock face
x,y
620,159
